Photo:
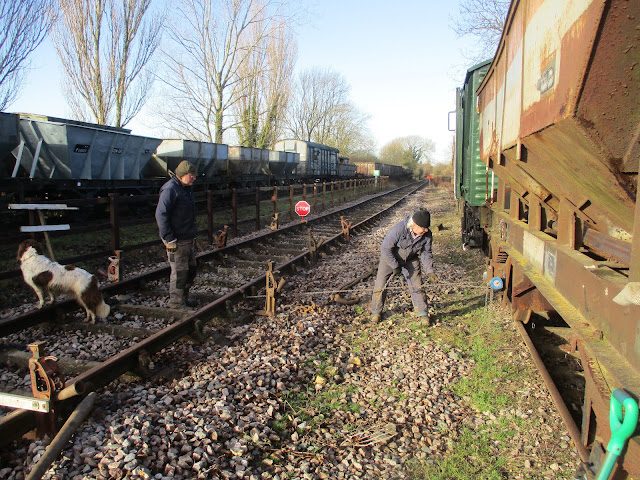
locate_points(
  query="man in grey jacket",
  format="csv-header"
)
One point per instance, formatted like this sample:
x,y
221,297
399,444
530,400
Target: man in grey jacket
x,y
405,245
176,218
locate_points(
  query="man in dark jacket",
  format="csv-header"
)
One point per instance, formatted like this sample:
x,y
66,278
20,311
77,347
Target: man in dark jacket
x,y
176,218
406,243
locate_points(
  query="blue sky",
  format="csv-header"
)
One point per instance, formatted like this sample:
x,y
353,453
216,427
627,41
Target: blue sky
x,y
401,58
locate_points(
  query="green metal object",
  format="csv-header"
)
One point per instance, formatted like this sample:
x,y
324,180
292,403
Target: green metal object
x,y
470,172
622,427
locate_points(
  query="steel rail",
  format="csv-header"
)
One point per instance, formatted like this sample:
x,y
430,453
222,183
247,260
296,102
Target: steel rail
x,y
20,422
555,393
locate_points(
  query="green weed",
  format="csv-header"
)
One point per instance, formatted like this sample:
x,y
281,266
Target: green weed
x,y
472,459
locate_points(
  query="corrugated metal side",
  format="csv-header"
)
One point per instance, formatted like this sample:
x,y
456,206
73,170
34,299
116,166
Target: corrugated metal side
x,y
73,151
473,183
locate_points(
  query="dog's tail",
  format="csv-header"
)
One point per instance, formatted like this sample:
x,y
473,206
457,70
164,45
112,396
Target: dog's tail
x,y
103,310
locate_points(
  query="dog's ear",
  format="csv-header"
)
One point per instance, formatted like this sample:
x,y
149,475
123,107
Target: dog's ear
x,y
21,249
25,244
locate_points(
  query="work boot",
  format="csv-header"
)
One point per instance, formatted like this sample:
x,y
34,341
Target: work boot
x,y
189,302
375,318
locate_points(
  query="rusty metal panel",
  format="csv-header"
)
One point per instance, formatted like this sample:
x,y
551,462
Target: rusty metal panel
x,y
544,91
525,295
608,106
538,69
558,36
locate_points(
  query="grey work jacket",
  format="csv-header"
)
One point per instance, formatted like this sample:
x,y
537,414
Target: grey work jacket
x,y
399,246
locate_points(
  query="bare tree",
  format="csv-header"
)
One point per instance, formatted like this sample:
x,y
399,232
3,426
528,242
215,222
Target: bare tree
x,y
349,132
213,47
320,111
484,20
263,90
23,26
319,96
105,47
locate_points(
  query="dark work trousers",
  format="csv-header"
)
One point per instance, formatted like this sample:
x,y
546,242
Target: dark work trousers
x,y
410,271
183,271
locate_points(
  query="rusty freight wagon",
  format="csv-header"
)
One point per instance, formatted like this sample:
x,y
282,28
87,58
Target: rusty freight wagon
x,y
559,123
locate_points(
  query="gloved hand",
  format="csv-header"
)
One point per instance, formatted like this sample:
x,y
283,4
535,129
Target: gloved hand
x,y
171,246
433,278
397,271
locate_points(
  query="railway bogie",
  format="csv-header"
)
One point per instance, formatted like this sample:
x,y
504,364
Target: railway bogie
x,y
558,118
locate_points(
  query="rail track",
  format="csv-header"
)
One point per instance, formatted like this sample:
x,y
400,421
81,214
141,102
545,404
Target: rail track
x,y
251,368
143,324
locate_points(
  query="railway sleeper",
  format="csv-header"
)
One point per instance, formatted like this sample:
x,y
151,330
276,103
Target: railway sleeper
x,y
246,272
264,258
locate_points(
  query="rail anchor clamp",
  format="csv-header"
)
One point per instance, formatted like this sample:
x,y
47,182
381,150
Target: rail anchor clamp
x,y
313,246
46,380
273,288
346,228
221,238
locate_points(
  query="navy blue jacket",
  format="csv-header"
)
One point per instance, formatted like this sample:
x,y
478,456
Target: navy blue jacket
x,y
176,212
399,246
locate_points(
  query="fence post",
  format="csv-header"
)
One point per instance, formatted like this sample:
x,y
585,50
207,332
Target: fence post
x,y
114,220
324,193
291,202
275,200
315,196
304,191
234,211
210,215
257,208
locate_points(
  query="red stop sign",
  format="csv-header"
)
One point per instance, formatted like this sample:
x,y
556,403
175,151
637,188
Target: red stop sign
x,y
303,208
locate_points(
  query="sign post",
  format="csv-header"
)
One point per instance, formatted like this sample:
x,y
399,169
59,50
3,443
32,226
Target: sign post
x,y
44,228
302,209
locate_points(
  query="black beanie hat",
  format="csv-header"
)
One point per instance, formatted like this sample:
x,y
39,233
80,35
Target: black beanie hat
x,y
422,218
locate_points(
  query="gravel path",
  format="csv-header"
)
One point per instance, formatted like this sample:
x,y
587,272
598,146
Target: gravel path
x,y
316,392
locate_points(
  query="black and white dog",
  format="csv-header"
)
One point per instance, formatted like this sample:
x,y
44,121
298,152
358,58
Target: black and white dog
x,y
47,277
